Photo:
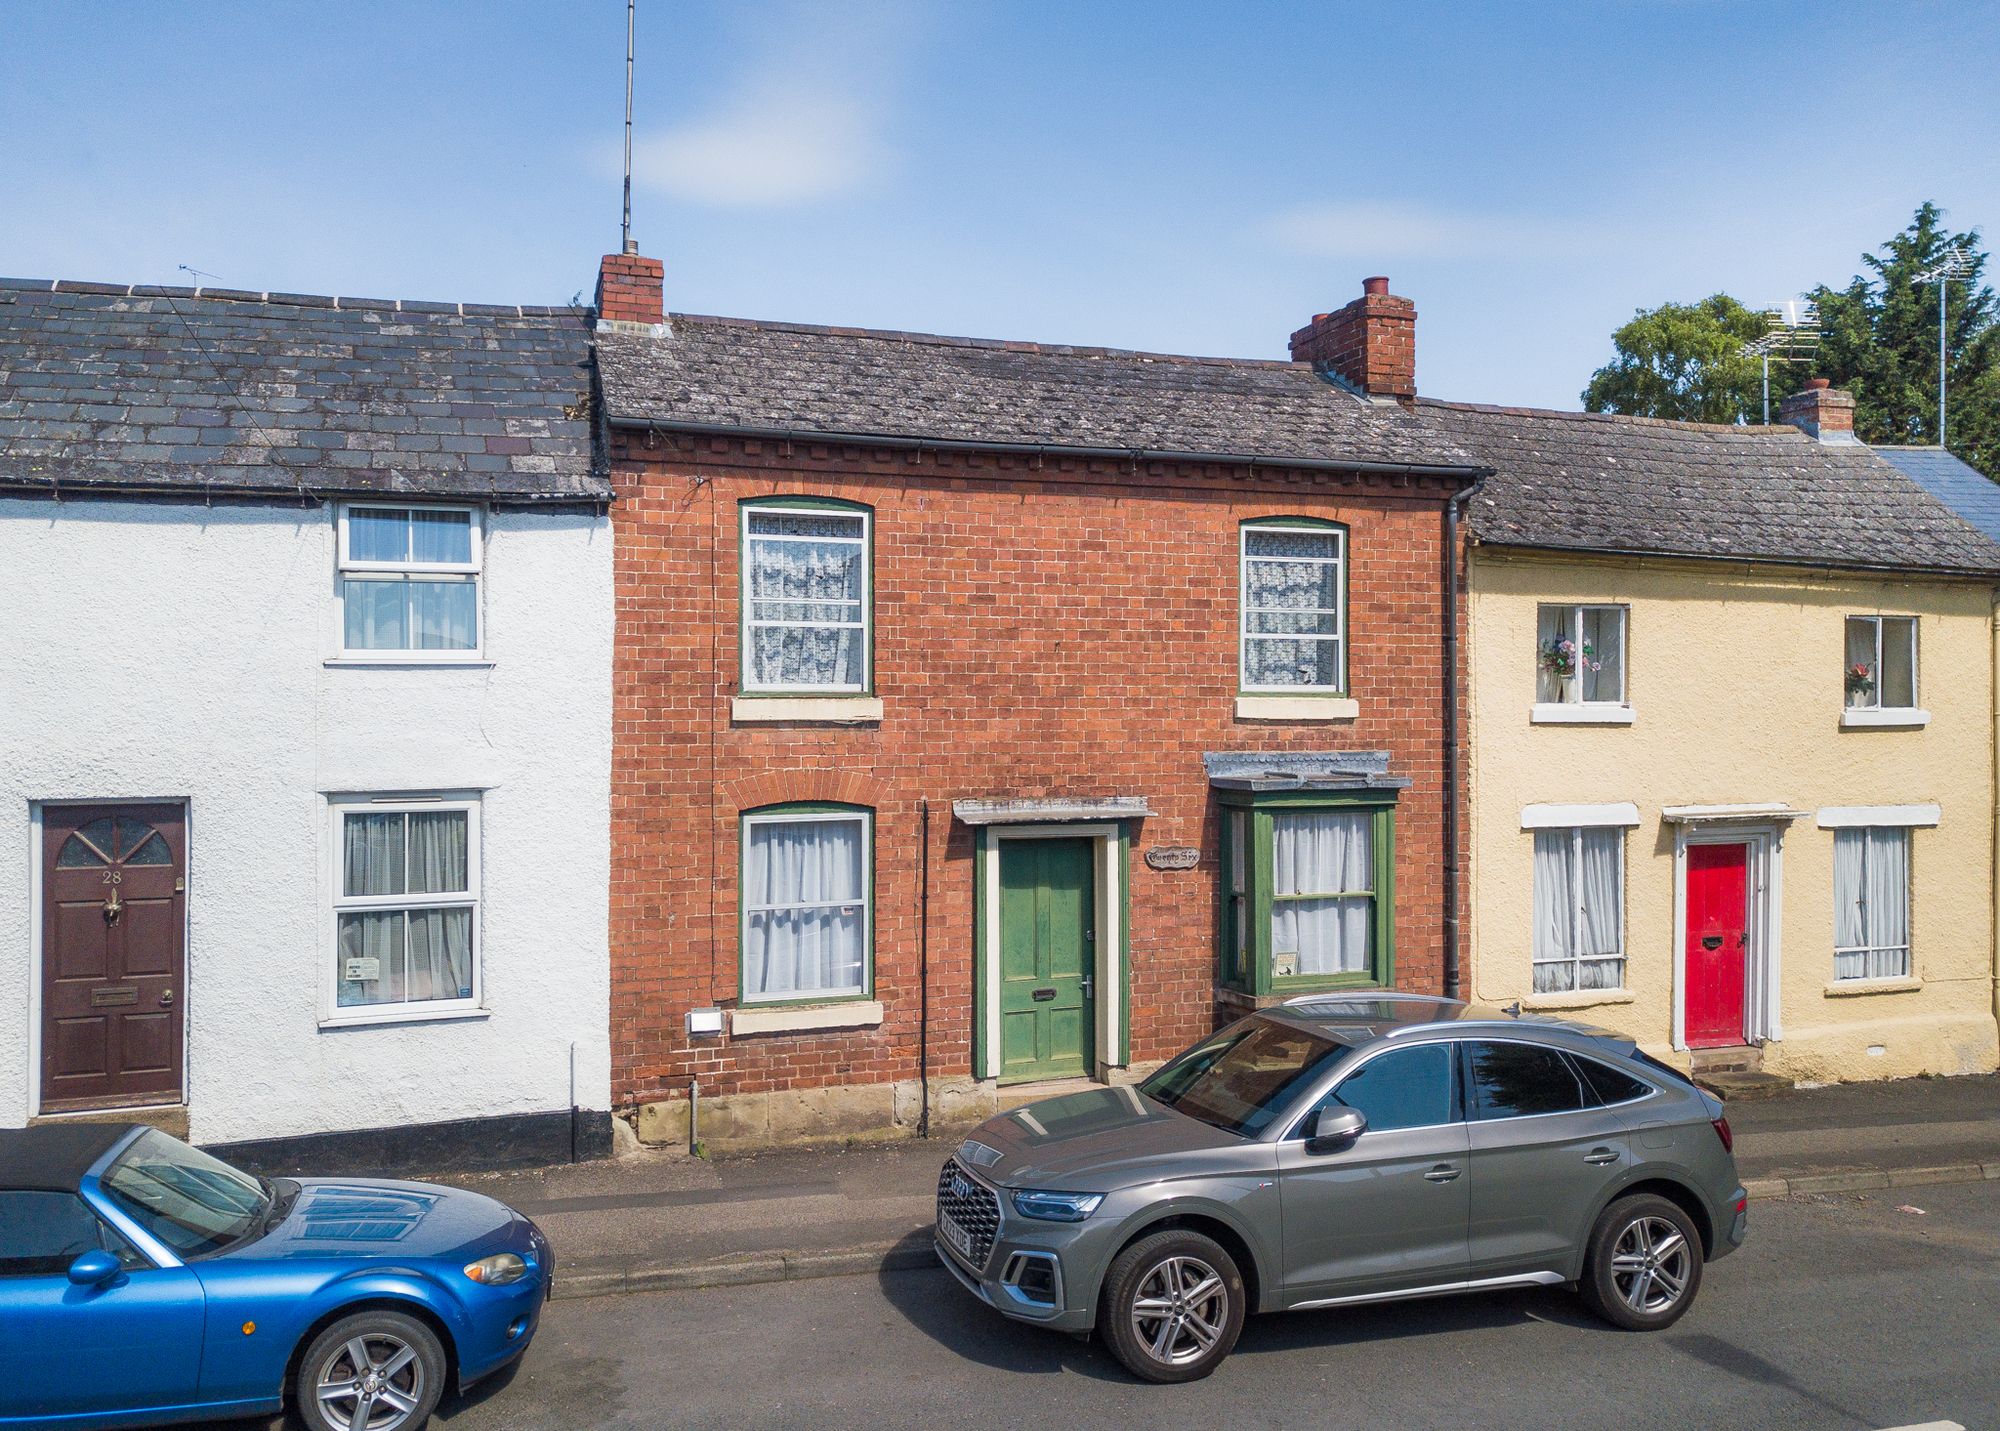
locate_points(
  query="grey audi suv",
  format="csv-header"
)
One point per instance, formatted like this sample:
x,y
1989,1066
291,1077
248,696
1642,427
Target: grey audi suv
x,y
1341,1150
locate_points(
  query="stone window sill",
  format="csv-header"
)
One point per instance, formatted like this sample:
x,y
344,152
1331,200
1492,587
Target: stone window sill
x,y
416,660
825,710
1297,708
363,1018
1852,719
1579,999
1852,988
806,1018
1564,713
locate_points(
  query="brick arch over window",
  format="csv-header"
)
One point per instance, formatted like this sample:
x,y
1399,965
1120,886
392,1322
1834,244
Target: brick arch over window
x,y
795,787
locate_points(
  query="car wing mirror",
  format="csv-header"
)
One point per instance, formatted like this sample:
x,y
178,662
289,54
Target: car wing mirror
x,y
1332,1129
94,1268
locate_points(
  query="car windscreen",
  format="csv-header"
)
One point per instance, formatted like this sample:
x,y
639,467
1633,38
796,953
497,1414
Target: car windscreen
x,y
193,1203
1245,1076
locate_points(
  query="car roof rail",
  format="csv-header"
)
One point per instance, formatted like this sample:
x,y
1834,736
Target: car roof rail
x,y
1366,996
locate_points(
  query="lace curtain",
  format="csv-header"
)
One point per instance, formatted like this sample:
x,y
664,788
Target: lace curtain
x,y
1871,903
1579,910
1291,591
1321,855
806,600
806,912
417,953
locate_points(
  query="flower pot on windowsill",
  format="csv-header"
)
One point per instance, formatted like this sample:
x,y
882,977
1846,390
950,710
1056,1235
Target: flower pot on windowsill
x,y
1857,698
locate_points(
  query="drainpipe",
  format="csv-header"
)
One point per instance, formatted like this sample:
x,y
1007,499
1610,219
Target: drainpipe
x,y
924,966
1453,981
1993,823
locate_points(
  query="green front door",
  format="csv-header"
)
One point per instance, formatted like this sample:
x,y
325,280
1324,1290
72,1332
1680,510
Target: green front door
x,y
1048,916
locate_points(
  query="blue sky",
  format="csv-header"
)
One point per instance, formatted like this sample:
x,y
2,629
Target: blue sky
x,y
1193,177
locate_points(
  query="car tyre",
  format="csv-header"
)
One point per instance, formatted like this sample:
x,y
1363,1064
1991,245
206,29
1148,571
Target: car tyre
x,y
371,1371
1642,1268
1173,1306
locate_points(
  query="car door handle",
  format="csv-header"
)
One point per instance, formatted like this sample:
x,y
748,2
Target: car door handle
x,y
1442,1173
1598,1157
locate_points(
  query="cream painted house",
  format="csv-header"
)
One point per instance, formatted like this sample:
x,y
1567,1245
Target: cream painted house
x,y
1731,743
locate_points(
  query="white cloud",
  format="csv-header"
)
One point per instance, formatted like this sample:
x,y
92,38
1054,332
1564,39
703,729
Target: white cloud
x,y
805,119
772,145
1374,231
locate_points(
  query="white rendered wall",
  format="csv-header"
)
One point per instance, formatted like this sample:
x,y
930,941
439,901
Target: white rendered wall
x,y
153,651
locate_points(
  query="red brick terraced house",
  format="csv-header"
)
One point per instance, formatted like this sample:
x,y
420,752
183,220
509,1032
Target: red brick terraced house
x,y
996,716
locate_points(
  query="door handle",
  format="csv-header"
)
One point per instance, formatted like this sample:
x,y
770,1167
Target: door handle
x,y
1598,1157
1087,984
166,998
1442,1173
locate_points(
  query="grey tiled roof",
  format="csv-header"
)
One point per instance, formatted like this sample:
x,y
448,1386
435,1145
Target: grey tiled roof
x,y
1597,482
1959,485
731,373
130,388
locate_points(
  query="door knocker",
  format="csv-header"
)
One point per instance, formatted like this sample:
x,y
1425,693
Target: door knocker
x,y
112,907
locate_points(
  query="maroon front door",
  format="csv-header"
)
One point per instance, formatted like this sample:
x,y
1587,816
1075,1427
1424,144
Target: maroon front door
x,y
1718,910
113,955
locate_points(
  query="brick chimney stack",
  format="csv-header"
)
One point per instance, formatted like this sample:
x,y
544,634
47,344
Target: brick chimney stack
x,y
631,289
1822,411
1371,343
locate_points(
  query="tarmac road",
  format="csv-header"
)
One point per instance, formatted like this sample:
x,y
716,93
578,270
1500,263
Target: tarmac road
x,y
1842,1311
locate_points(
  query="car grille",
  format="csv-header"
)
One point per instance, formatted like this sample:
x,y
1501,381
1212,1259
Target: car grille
x,y
972,1206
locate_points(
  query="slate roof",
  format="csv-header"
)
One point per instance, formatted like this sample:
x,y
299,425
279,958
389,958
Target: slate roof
x,y
131,388
721,373
1598,482
1959,485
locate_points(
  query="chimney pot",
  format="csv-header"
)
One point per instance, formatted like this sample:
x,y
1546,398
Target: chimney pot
x,y
631,289
1822,412
1371,343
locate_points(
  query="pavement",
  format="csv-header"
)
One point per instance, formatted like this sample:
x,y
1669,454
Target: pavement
x,y
1843,1312
658,1220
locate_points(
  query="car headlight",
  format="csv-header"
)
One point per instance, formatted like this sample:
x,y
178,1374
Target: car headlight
x,y
497,1270
1057,1207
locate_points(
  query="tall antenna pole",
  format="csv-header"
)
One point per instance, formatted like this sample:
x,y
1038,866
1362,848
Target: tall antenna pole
x,y
1956,264
631,9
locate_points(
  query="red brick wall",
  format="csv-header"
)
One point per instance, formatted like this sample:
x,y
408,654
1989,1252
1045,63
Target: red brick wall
x,y
1065,629
630,289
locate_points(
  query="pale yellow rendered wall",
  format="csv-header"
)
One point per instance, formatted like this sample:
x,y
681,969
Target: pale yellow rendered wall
x,y
1735,684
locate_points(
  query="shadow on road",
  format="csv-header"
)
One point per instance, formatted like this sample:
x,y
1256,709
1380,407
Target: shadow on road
x,y
936,1305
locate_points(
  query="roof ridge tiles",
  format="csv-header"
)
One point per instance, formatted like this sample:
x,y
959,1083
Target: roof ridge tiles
x,y
294,300
1004,345
1748,429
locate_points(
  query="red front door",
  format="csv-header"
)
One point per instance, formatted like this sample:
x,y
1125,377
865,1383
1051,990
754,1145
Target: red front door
x,y
113,887
1718,909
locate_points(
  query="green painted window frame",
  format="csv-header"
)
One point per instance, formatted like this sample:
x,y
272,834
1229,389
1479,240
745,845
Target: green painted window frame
x,y
799,811
1249,970
778,502
1338,690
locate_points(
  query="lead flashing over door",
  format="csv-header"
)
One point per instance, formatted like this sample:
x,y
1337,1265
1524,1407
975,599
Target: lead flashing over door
x,y
1730,814
1038,812
1302,770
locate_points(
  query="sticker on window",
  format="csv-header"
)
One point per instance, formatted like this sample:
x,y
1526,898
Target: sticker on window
x,y
366,967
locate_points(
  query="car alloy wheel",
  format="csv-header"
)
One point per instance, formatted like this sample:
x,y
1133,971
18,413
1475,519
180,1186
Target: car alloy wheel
x,y
1180,1311
1649,1265
373,1381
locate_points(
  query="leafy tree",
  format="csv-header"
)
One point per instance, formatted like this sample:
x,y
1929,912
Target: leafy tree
x,y
1685,360
1881,335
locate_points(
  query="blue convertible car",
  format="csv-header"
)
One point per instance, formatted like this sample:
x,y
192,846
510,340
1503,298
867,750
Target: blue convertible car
x,y
143,1281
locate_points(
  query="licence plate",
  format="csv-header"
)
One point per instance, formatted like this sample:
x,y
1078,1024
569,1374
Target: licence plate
x,y
958,1237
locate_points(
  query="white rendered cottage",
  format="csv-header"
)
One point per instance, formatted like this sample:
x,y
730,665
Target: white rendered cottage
x,y
305,663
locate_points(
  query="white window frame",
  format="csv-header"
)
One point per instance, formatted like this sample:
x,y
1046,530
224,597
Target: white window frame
x,y
1874,701
865,625
472,571
1244,635
333,1012
1909,950
1575,960
1573,630
865,819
